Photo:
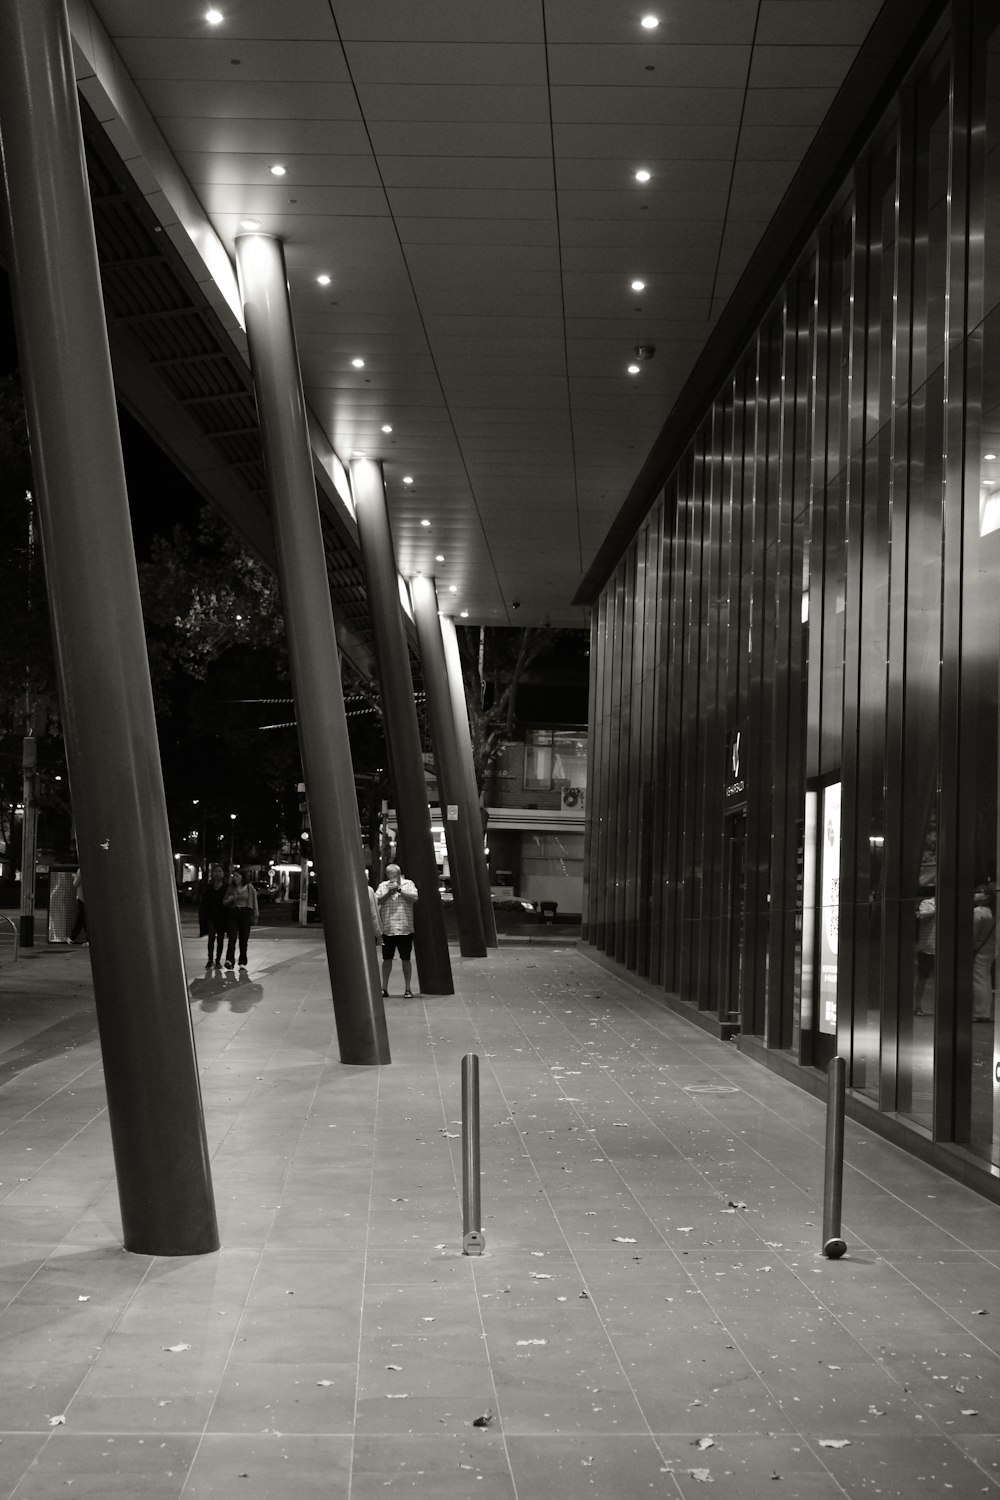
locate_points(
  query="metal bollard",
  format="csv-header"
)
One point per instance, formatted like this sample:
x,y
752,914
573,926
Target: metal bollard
x,y
473,1239
834,1246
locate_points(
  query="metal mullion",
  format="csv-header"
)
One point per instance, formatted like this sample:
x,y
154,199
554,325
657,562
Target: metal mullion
x,y
895,710
714,729
657,875
590,832
690,724
674,800
614,763
755,915
634,761
852,453
960,694
780,989
624,754
647,762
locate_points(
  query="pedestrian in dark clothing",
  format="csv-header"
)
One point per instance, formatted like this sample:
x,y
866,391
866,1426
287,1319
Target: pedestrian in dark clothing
x,y
240,902
212,914
80,918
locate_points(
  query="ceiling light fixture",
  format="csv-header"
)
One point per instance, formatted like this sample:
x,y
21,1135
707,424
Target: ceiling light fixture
x,y
386,427
407,478
633,369
453,588
989,457
214,17
323,280
249,223
358,364
650,22
439,557
464,614
278,170
641,176
425,522
638,286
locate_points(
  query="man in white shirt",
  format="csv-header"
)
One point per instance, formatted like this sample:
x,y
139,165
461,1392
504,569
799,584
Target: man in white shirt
x,y
395,898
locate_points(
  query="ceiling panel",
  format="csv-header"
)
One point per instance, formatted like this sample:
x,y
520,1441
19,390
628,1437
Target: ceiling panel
x,y
253,18
454,102
483,174
815,22
604,22
478,21
480,65
464,173
313,101
278,60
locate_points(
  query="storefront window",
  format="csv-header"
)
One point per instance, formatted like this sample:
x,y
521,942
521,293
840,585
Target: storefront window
x,y
556,760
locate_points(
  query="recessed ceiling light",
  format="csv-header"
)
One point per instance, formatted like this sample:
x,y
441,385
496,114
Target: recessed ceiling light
x,y
439,557
357,453
650,22
407,478
214,17
633,369
641,176
249,223
464,614
453,588
989,457
638,286
278,170
323,280
386,427
425,523
358,364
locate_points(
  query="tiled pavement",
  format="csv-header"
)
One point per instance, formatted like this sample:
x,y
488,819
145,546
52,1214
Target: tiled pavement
x,y
652,1314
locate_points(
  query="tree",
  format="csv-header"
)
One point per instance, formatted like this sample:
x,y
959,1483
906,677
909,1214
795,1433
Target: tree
x,y
28,701
494,663
204,595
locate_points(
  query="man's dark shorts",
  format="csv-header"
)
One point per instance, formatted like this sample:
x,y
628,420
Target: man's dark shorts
x,y
401,945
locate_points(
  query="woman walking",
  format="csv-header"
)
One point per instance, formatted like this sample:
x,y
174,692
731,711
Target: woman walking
x,y
240,902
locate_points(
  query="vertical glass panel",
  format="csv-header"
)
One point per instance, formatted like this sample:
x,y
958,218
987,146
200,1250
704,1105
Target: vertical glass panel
x,y
868,590
918,569
980,754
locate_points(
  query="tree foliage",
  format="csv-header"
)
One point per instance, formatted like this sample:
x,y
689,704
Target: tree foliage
x,y
204,595
494,663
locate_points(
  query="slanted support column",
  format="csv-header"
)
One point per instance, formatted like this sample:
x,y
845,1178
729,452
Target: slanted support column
x,y
472,939
463,738
402,732
312,652
140,988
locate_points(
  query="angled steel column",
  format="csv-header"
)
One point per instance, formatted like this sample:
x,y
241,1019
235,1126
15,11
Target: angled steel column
x,y
463,736
402,733
147,1044
312,652
472,940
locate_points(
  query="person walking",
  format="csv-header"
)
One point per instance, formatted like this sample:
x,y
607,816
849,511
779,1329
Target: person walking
x,y
984,947
80,914
376,923
240,902
212,914
395,897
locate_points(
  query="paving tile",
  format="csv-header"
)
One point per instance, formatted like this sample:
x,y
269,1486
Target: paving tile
x,y
271,1467
109,1468
549,1468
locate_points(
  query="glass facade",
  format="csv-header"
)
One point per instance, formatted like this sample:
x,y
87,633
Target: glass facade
x,y
793,809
